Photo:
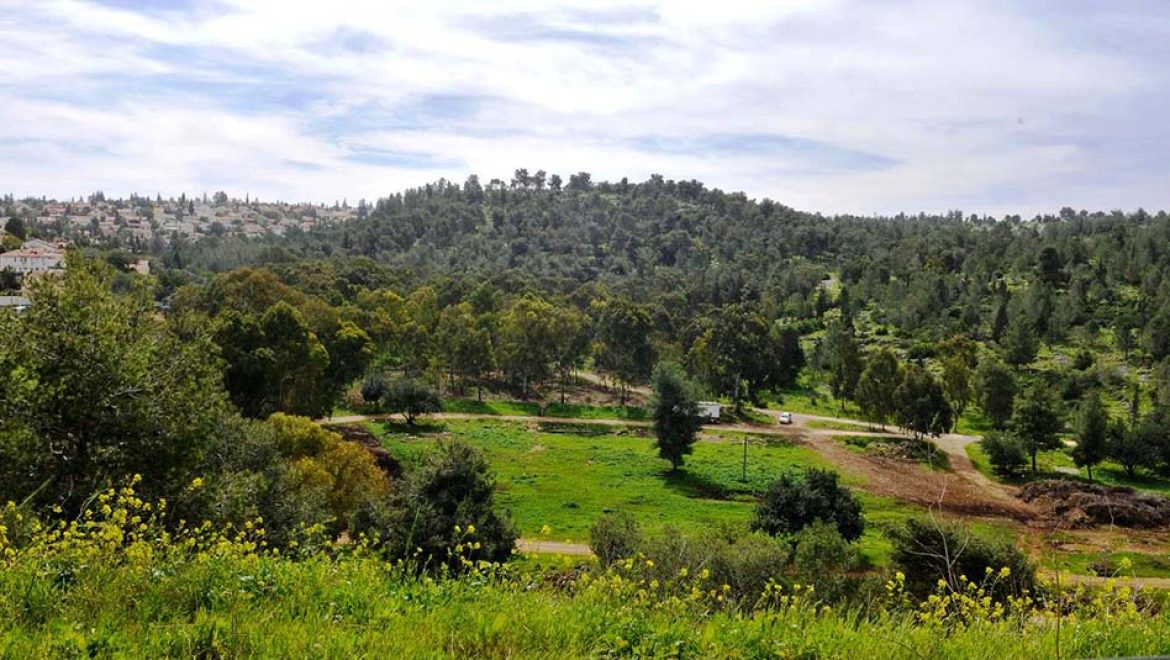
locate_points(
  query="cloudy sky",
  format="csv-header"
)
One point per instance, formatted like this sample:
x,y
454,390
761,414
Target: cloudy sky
x,y
989,106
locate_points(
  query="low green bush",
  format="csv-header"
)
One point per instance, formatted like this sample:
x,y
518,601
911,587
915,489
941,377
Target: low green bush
x,y
931,553
615,536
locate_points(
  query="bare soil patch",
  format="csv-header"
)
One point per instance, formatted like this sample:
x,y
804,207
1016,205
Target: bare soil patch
x,y
952,490
361,435
1074,504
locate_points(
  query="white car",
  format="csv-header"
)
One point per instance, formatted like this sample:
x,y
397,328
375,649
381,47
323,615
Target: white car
x,y
785,418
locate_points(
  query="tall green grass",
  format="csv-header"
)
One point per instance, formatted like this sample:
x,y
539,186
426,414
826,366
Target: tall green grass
x,y
265,606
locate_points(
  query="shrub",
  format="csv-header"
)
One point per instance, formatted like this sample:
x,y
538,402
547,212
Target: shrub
x,y
412,398
615,536
373,389
928,551
791,503
324,470
725,556
444,514
300,436
821,550
1005,452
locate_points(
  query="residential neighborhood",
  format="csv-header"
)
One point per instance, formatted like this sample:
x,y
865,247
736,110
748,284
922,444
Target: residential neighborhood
x,y
139,221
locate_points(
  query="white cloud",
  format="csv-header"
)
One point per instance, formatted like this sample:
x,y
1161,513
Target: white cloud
x,y
980,106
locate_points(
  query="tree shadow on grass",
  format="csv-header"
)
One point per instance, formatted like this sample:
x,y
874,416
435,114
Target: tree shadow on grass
x,y
695,485
418,428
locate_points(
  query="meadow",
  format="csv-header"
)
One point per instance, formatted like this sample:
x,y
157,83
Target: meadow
x,y
555,480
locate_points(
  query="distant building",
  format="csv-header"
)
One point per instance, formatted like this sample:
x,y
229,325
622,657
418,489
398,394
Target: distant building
x,y
33,257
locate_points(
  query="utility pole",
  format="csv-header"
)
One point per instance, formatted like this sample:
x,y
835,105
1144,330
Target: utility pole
x,y
745,440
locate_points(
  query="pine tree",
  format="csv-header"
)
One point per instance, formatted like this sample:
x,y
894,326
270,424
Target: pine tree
x,y
675,412
1092,434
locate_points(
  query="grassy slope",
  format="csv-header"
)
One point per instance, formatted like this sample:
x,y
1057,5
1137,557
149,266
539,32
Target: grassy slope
x,y
269,607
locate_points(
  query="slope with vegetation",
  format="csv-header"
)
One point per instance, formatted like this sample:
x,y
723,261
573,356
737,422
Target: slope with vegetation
x,y
1051,336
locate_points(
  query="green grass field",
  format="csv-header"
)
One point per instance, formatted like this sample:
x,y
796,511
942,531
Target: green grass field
x,y
566,480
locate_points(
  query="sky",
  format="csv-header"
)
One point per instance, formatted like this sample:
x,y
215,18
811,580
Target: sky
x,y
881,106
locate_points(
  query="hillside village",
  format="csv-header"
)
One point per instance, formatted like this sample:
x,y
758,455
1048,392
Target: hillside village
x,y
141,222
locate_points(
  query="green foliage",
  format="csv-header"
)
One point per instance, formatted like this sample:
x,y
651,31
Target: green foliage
x,y
447,501
956,380
1142,445
15,226
97,389
374,387
738,347
736,565
1156,338
526,341
623,342
9,281
273,363
675,412
615,536
921,405
1006,453
1092,433
1036,421
1020,342
791,503
928,551
820,550
845,365
412,398
996,389
875,389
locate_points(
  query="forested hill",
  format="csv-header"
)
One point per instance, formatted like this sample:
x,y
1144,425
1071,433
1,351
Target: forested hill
x,y
681,243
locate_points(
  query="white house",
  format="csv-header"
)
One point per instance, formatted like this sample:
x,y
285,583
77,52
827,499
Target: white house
x,y
33,257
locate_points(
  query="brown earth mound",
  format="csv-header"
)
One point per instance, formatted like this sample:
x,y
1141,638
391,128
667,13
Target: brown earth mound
x,y
360,434
1079,504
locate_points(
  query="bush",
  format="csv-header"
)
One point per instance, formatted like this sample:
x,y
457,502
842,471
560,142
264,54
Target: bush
x,y
792,503
821,550
1005,452
615,536
928,551
743,562
373,389
446,504
412,398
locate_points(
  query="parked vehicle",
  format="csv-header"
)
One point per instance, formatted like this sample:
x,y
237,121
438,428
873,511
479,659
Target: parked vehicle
x,y
785,418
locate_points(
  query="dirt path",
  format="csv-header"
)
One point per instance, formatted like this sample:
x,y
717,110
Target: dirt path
x,y
553,548
963,489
